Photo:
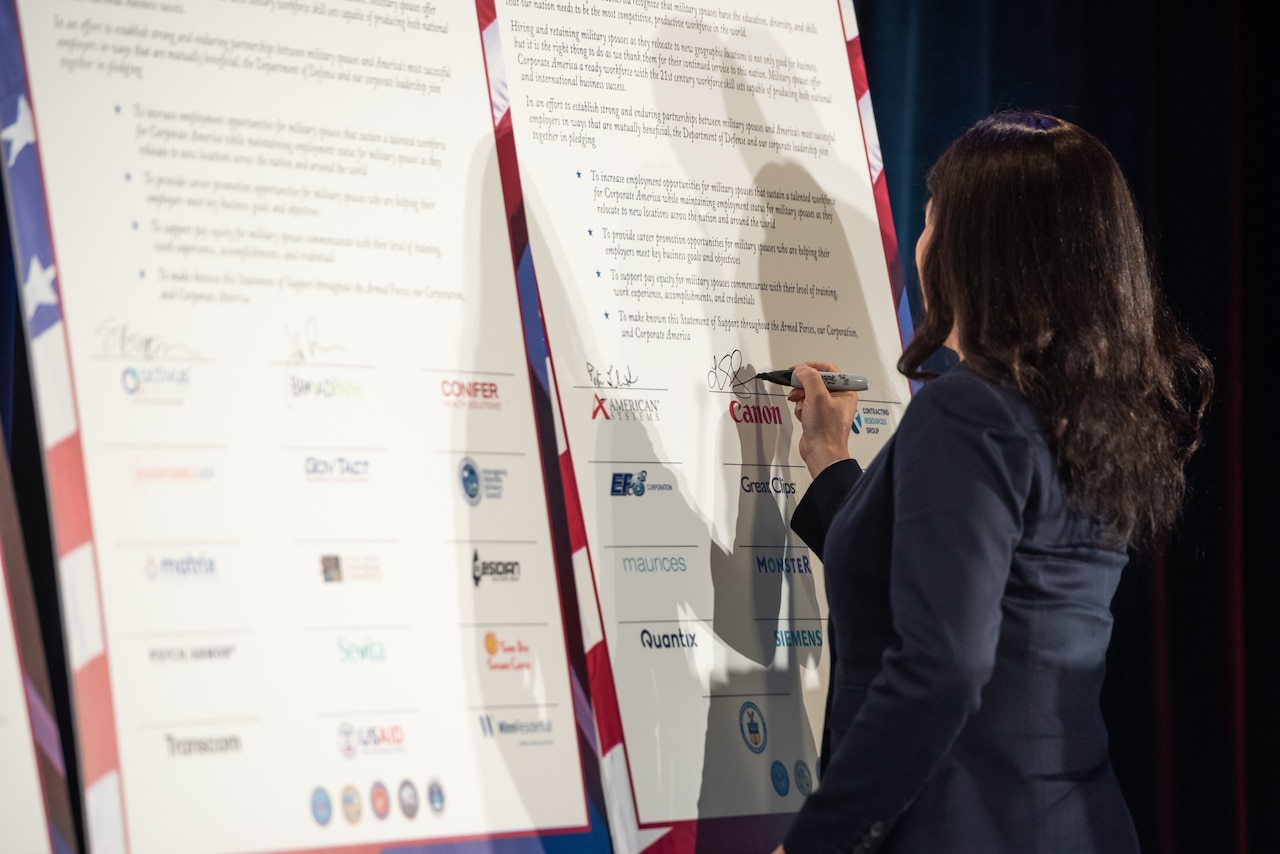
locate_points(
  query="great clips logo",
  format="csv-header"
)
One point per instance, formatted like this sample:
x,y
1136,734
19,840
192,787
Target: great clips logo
x,y
471,394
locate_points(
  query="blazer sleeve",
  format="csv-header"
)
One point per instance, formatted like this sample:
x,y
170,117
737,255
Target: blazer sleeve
x,y
962,476
821,501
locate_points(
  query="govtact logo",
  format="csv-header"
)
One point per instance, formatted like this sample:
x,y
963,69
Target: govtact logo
x,y
751,724
336,470
498,570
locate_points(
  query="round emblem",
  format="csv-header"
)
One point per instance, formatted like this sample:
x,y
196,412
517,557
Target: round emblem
x,y
435,796
491,643
347,741
351,804
130,381
469,475
751,724
804,782
781,782
321,806
408,799
379,800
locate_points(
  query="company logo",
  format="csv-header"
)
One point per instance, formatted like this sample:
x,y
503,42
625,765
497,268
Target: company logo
x,y
351,804
336,470
205,746
409,802
189,566
196,652
478,483
753,413
798,637
659,563
785,565
856,426
336,568
781,780
325,388
352,651
498,570
471,394
775,485
873,419
668,640
379,800
751,725
435,796
321,806
529,733
156,382
804,782
635,483
170,473
506,654
354,740
614,408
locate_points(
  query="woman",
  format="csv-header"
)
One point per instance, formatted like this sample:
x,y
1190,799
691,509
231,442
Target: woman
x,y
970,569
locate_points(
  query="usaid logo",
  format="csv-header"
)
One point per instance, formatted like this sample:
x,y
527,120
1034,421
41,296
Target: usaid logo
x,y
355,740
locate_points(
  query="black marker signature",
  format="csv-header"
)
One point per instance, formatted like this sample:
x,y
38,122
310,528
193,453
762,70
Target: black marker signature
x,y
727,372
611,378
306,346
118,338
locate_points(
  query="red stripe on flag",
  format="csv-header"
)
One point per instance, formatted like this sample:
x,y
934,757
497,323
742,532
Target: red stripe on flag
x,y
889,237
604,698
683,839
67,493
95,720
572,505
486,13
858,67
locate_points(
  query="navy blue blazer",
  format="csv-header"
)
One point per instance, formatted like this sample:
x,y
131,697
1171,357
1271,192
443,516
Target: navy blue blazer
x,y
970,608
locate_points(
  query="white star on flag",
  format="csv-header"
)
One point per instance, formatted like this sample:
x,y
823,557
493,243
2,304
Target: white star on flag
x,y
21,133
37,290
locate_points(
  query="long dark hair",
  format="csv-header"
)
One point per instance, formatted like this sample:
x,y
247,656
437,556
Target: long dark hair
x,y
1037,257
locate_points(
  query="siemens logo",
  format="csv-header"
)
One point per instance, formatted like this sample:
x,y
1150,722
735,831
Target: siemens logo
x,y
798,637
751,413
667,640
654,564
787,565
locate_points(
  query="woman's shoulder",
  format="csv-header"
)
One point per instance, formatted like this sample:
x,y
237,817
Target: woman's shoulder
x,y
962,396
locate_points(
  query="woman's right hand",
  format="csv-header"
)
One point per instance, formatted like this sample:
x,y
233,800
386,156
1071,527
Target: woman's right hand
x,y
825,418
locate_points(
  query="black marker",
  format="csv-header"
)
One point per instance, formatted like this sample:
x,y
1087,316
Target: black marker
x,y
833,382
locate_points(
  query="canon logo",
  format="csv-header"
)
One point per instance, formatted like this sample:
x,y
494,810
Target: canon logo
x,y
752,413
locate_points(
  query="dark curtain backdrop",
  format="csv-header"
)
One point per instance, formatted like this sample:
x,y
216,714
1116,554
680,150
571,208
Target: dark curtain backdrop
x,y
1187,97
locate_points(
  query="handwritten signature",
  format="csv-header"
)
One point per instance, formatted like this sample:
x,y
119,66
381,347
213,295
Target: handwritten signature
x,y
119,338
727,372
306,345
611,377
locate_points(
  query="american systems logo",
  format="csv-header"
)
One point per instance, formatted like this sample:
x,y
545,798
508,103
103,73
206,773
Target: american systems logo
x,y
355,740
615,408
498,570
156,383
336,470
751,413
635,483
471,394
188,566
479,483
505,654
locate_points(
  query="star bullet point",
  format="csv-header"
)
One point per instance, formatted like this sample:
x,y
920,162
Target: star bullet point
x,y
579,174
606,315
597,274
588,232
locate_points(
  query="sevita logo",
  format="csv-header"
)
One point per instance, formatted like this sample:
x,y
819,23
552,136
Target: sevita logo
x,y
351,651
